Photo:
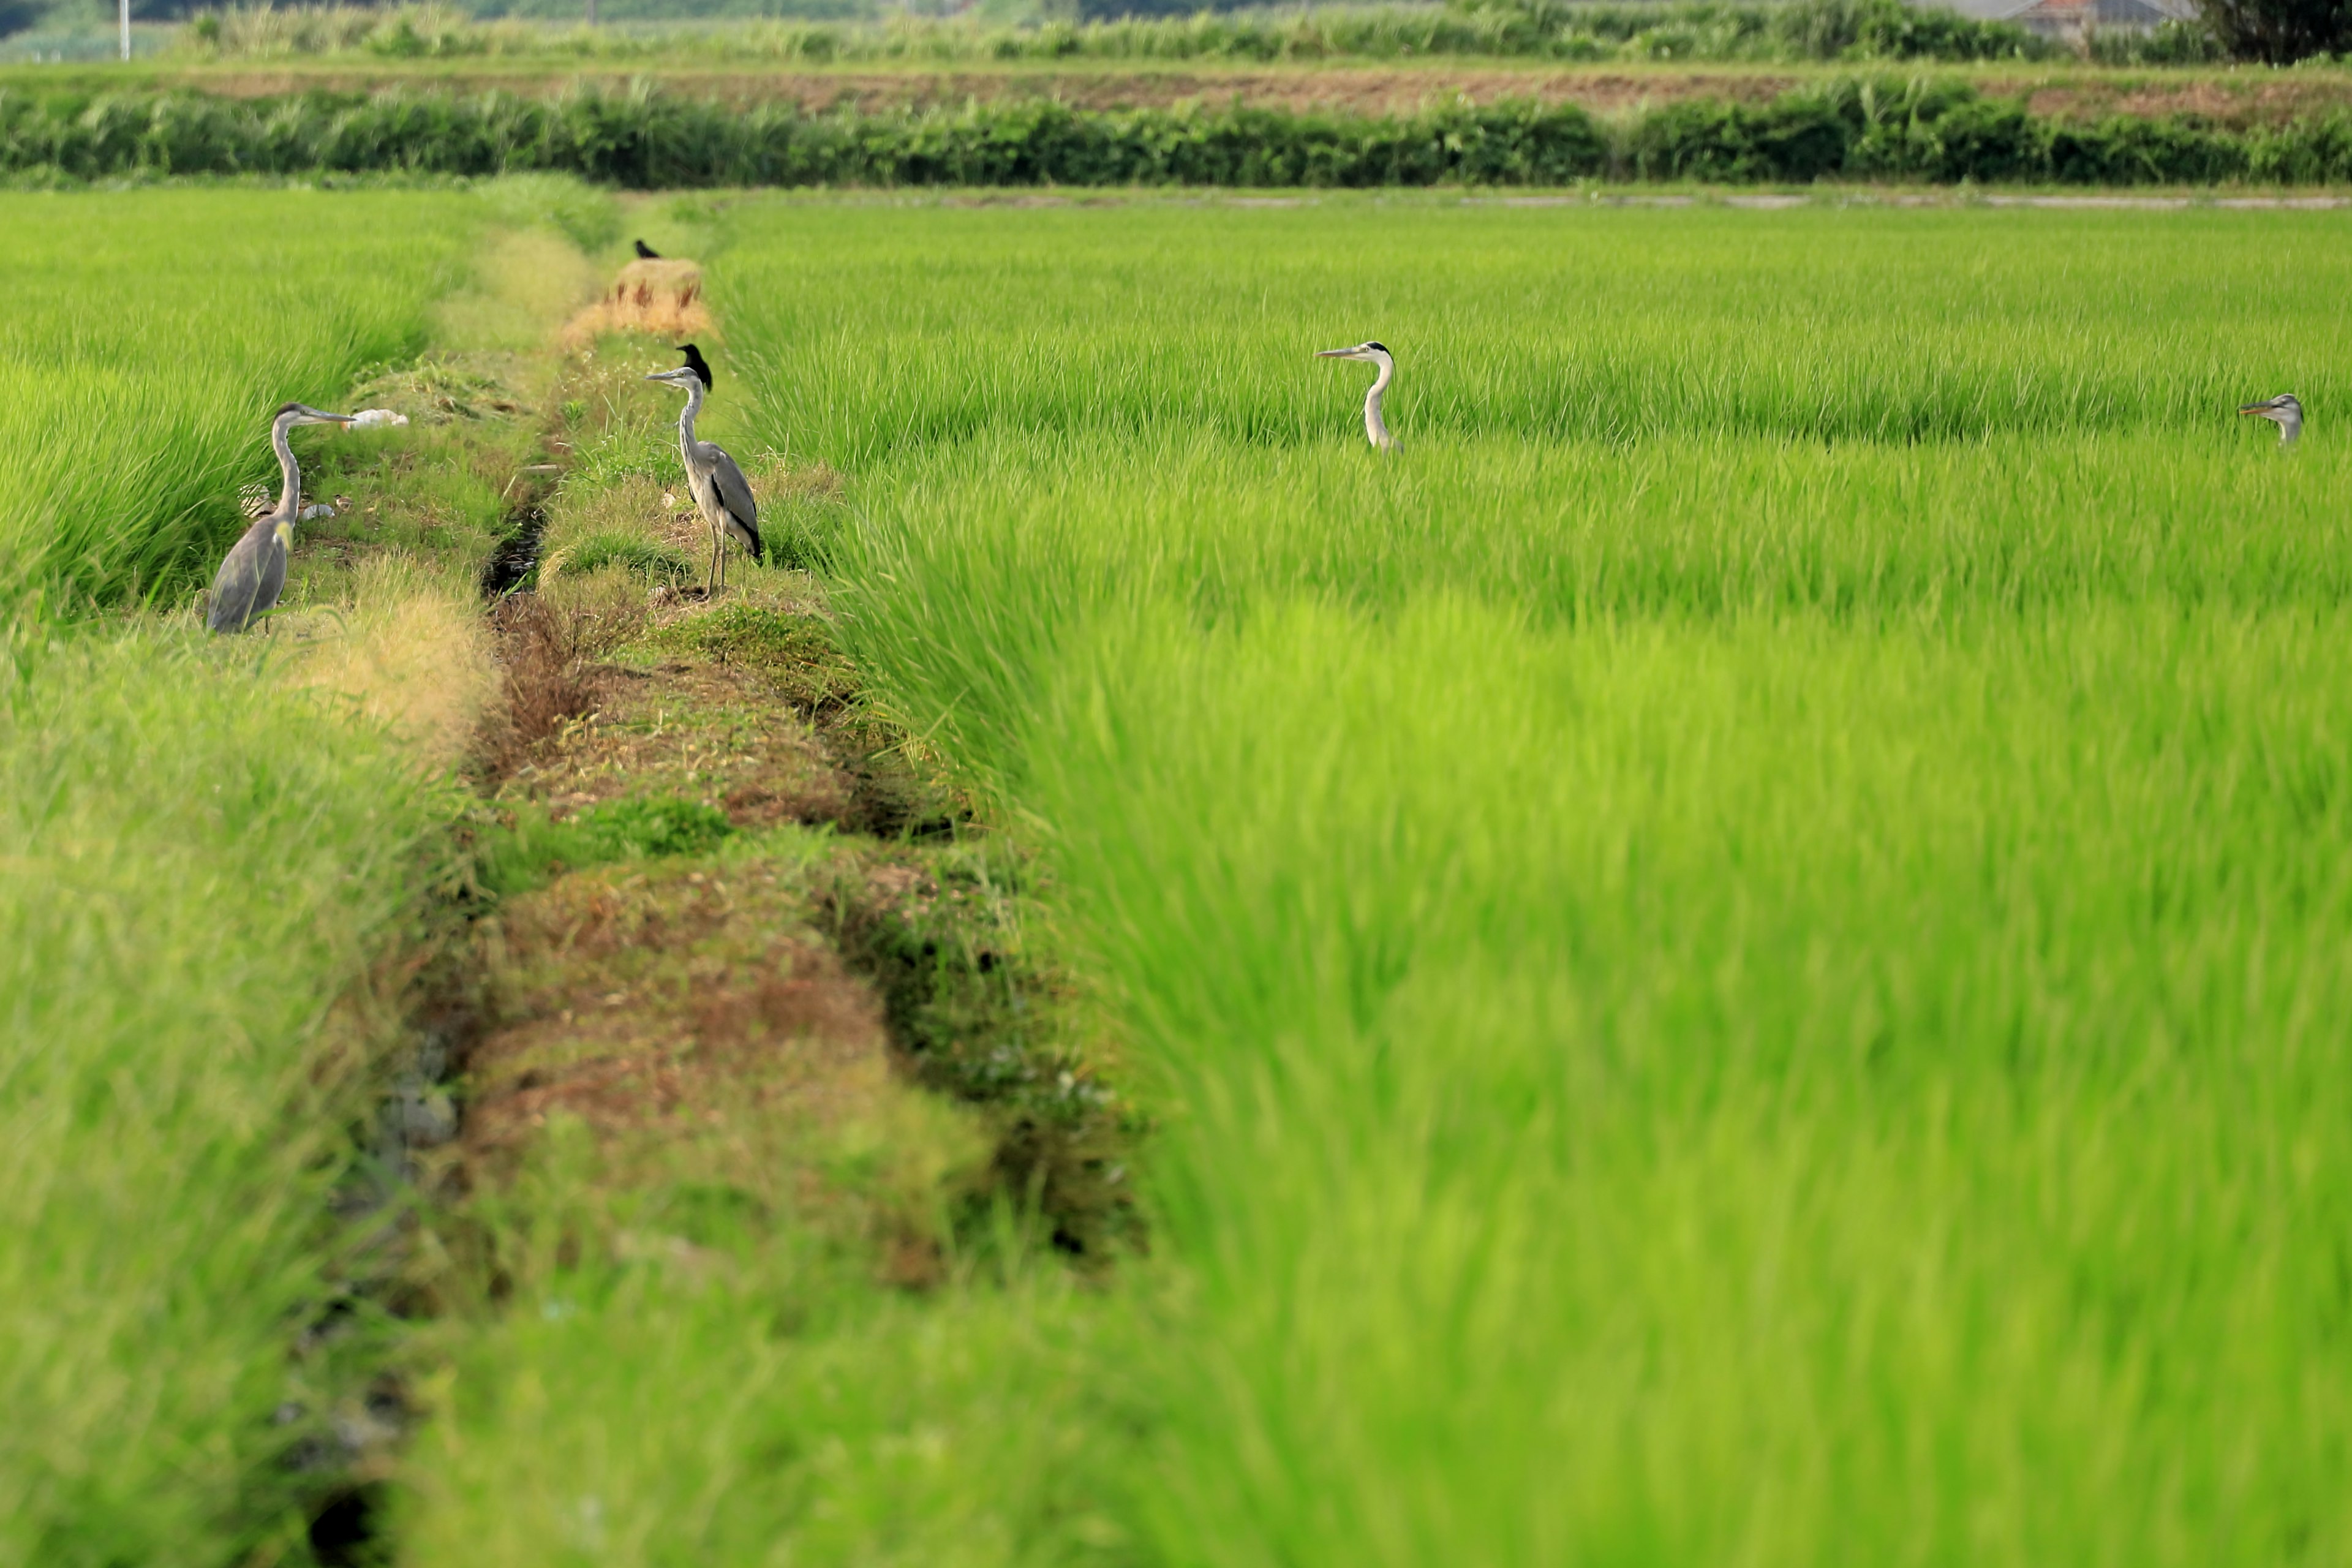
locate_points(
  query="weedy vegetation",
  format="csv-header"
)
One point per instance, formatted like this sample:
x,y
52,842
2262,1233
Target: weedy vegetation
x,y
1861,129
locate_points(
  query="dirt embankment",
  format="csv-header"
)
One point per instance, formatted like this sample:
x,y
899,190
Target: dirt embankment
x,y
710,924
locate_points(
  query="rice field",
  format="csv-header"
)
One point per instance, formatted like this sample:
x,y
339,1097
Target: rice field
x,y
1745,944
146,332
202,850
1737,954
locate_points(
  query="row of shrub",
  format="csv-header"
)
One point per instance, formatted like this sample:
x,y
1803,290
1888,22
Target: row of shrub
x,y
1714,30
1888,131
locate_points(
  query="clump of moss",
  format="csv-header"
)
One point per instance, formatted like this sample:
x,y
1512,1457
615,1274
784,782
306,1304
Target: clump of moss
x,y
525,848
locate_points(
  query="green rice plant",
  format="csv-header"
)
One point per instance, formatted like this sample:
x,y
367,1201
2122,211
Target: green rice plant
x,y
147,340
198,861
1765,1090
1540,327
1740,943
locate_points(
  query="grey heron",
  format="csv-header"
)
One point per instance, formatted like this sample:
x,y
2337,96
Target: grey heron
x,y
1372,353
253,576
2283,411
720,493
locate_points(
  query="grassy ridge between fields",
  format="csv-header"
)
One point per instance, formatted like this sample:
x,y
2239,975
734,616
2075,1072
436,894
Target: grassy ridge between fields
x,y
1886,129
1745,939
202,846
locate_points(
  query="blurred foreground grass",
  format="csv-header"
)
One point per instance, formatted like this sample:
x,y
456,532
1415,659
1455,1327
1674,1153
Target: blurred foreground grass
x,y
206,846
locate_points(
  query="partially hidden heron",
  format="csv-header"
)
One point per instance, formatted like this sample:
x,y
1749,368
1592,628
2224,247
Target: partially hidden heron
x,y
253,576
2283,411
720,493
1375,429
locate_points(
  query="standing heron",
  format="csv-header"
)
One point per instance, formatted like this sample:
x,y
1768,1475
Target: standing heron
x,y
1372,353
254,574
720,493
2282,411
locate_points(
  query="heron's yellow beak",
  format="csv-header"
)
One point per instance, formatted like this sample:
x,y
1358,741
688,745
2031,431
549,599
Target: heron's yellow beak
x,y
2257,408
1334,353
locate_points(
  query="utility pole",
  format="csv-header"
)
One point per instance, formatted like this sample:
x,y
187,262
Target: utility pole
x,y
126,29
591,12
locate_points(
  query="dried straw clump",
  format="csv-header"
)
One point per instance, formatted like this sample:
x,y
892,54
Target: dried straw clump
x,y
662,297
412,654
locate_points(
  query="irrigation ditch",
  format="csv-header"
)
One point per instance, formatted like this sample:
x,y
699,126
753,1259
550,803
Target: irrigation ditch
x,y
698,882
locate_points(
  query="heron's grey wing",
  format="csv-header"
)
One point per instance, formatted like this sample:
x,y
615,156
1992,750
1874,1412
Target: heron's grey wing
x,y
273,572
237,587
735,494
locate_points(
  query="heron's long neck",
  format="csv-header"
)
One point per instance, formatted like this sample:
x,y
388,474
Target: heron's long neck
x,y
693,408
1374,427
289,493
2289,429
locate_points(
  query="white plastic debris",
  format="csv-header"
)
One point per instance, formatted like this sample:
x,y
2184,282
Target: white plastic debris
x,y
373,418
314,511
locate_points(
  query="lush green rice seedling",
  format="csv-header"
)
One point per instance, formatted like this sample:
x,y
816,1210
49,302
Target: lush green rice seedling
x,y
1743,939
146,340
197,862
203,843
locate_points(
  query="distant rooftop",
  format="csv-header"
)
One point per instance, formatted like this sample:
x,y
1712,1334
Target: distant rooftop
x,y
2071,18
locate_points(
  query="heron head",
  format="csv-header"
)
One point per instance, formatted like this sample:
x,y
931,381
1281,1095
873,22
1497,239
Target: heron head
x,y
293,414
1374,353
696,368
2285,411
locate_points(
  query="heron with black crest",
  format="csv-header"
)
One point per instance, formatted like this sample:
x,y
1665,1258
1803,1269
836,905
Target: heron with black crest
x,y
720,493
1376,353
254,574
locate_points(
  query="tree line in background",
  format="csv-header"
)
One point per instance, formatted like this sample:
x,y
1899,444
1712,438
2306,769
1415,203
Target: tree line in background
x,y
1853,129
2275,31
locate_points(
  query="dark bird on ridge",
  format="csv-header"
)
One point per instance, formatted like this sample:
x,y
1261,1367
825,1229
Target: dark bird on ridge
x,y
646,252
720,493
2282,411
254,574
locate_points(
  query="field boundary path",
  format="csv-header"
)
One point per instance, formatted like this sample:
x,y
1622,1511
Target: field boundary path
x,y
724,935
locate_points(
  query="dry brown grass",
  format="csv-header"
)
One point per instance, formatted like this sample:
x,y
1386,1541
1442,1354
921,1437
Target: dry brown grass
x,y
410,654
662,298
602,610
547,681
690,1021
